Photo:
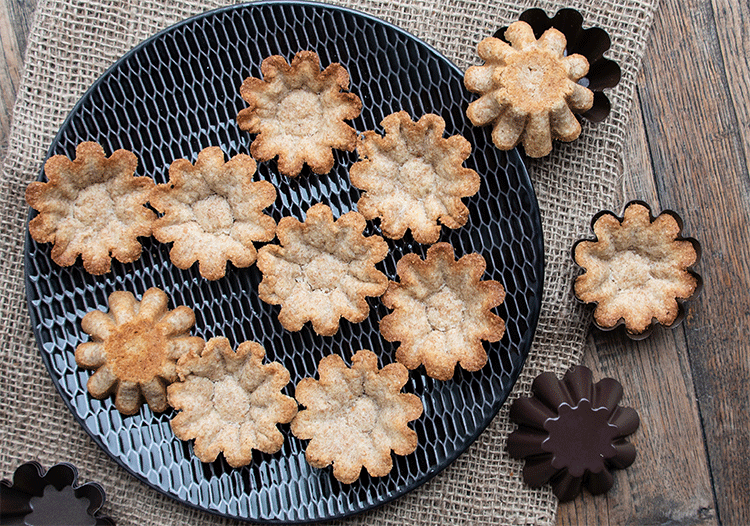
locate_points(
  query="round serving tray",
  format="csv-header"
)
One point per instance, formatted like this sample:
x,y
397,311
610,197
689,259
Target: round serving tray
x,y
177,93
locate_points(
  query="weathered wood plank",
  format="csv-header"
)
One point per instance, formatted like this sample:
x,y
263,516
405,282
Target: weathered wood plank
x,y
699,156
15,17
670,480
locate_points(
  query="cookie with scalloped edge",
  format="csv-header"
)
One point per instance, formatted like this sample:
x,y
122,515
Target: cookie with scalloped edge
x,y
92,206
442,312
213,212
230,402
298,113
134,349
355,417
413,178
529,89
322,270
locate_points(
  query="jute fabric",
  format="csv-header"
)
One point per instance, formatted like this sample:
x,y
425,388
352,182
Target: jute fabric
x,y
72,43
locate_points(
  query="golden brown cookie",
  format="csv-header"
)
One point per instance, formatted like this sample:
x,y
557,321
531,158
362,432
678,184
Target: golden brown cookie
x,y
441,312
135,347
356,416
213,212
298,113
230,402
636,269
92,206
414,178
322,271
528,89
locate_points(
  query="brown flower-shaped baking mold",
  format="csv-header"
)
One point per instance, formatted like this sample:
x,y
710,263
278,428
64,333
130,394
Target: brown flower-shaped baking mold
x,y
230,402
356,416
528,89
213,212
134,349
637,270
36,498
442,312
322,271
413,177
592,43
92,206
571,433
298,113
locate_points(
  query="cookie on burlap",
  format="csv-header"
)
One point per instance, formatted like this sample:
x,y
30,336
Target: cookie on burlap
x,y
356,416
636,269
134,349
298,113
528,89
230,402
322,270
213,212
442,312
91,206
413,178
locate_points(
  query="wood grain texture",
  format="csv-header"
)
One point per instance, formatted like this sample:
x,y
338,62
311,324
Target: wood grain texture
x,y
661,487
15,18
698,152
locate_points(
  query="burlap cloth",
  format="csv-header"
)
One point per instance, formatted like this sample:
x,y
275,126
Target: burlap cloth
x,y
72,43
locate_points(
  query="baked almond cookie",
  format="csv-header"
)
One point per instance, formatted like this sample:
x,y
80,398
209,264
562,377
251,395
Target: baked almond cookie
x,y
442,312
356,416
298,113
413,178
230,402
92,206
636,269
322,270
528,89
135,347
213,212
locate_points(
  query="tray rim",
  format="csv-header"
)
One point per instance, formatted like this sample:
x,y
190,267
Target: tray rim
x,y
534,314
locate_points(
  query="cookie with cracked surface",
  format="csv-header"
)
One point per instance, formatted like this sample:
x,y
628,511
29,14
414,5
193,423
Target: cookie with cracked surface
x,y
230,402
356,416
92,206
213,212
322,270
135,347
636,269
298,113
413,177
529,90
442,312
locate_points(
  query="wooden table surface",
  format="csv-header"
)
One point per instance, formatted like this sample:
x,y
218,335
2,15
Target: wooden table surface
x,y
687,149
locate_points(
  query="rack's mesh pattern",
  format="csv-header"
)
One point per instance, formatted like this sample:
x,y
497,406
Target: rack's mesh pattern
x,y
177,94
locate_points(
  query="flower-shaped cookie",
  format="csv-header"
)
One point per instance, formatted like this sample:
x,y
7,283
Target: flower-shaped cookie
x,y
636,269
213,212
414,178
230,402
92,206
134,349
322,271
528,89
298,113
355,417
571,433
441,312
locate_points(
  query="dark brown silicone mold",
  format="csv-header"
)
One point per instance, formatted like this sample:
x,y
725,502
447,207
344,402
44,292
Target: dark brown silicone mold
x,y
52,498
691,269
592,43
571,433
